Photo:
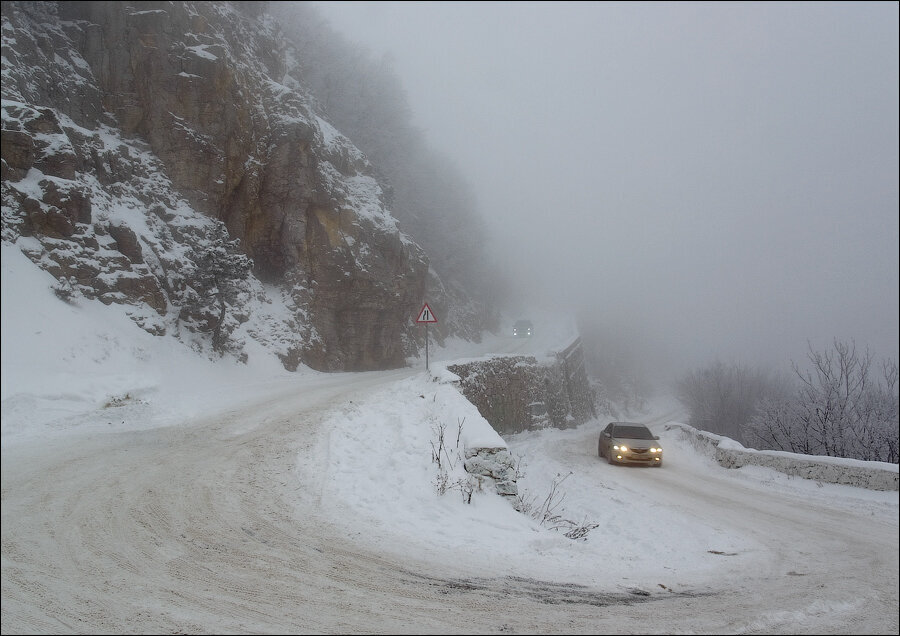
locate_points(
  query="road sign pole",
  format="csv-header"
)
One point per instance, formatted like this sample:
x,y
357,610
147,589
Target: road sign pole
x,y
426,316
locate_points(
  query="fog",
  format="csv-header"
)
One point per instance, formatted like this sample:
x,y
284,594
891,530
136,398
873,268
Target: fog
x,y
695,181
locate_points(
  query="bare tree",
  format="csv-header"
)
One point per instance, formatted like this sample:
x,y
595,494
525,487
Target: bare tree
x,y
723,398
839,409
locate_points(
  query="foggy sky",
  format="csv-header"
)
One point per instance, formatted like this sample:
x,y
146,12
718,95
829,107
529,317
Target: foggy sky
x,y
705,181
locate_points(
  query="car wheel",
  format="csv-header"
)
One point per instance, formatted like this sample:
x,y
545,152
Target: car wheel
x,y
657,465
600,449
609,458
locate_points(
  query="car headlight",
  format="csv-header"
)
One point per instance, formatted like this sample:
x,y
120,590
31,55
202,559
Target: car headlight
x,y
622,448
655,450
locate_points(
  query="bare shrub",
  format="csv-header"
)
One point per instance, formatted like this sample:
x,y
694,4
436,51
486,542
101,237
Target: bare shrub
x,y
840,409
722,398
550,514
66,289
447,459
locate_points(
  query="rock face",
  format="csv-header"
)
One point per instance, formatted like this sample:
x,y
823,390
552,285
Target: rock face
x,y
520,393
131,130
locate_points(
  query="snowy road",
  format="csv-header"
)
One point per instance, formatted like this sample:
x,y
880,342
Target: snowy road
x,y
808,563
200,527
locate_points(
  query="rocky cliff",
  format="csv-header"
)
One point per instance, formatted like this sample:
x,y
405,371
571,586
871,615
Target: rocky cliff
x,y
140,137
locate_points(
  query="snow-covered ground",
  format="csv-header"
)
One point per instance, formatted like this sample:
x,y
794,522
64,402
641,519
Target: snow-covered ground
x,y
146,489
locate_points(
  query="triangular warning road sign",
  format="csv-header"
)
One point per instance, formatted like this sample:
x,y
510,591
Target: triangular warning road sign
x,y
426,315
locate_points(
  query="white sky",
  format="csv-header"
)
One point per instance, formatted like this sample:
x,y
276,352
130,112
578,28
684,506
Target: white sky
x,y
710,180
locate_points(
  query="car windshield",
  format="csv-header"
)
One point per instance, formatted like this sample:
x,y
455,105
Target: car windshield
x,y
633,432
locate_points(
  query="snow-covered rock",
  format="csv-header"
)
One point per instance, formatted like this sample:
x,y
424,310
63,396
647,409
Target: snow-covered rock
x,y
133,131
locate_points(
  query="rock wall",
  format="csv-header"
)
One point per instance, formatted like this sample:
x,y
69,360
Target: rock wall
x,y
730,454
520,393
580,398
129,128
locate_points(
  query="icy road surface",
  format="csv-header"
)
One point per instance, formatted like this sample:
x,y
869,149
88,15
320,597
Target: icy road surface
x,y
218,524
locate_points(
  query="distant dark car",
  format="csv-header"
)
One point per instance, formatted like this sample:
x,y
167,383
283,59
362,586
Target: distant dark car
x,y
629,443
523,329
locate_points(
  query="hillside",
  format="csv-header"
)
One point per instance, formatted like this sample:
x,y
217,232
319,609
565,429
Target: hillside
x,y
168,157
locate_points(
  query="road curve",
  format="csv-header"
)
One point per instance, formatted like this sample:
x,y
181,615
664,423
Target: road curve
x,y
820,566
195,528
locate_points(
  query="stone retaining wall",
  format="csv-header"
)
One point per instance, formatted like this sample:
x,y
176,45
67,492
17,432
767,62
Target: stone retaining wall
x,y
730,454
496,467
520,393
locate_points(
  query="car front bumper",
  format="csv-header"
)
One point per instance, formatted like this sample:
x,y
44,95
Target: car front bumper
x,y
636,457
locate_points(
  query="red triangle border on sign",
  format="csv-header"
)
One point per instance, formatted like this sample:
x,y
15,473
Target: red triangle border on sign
x,y
426,315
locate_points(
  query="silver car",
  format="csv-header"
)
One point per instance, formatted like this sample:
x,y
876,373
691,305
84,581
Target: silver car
x,y
629,443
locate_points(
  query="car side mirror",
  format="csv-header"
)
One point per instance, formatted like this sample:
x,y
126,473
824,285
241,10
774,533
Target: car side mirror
x,y
605,434
656,437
